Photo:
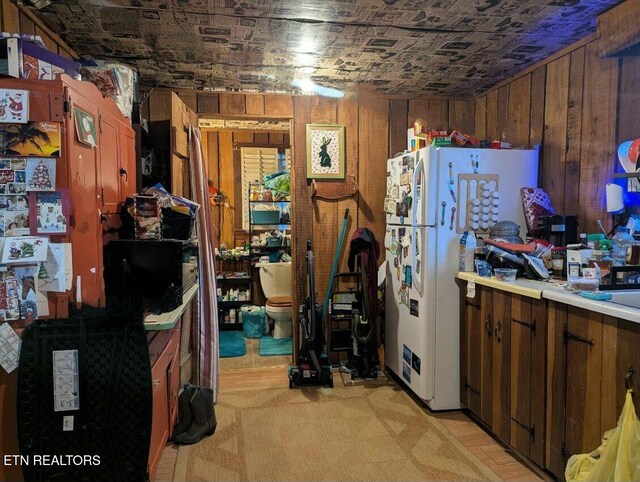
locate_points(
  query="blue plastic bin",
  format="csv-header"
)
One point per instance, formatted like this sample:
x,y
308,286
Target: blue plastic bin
x,y
253,323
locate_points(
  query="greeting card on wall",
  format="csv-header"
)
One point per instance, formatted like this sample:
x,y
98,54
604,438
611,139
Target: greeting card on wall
x,y
25,249
32,139
16,223
14,106
49,212
27,295
40,174
85,127
52,275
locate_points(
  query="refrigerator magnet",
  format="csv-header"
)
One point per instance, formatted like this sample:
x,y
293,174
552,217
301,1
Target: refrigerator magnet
x,y
406,372
416,363
395,191
407,276
406,353
414,307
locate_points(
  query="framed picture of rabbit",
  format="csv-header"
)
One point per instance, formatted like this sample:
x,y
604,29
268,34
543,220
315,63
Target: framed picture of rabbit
x,y
325,152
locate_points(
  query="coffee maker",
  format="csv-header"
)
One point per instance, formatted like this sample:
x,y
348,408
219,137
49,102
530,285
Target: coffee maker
x,y
559,229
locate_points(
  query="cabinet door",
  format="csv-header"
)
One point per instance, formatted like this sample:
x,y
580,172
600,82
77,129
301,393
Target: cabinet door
x,y
583,337
521,333
128,164
159,421
486,355
556,392
475,327
501,365
464,344
173,376
85,214
620,353
109,163
538,380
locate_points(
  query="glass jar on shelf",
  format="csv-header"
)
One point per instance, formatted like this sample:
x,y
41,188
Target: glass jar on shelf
x,y
558,261
254,191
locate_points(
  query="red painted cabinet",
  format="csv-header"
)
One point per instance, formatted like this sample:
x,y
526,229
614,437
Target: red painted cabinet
x,y
98,178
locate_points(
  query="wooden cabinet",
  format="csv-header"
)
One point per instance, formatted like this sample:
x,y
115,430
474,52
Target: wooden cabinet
x,y
528,376
546,378
91,174
504,362
471,381
501,365
165,391
589,356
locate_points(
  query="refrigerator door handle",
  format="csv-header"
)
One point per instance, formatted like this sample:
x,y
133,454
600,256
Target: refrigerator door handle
x,y
417,272
419,169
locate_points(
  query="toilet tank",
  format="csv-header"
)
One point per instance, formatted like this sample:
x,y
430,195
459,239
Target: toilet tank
x,y
275,278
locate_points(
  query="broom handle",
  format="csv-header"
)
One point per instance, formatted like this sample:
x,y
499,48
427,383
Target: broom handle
x,y
334,267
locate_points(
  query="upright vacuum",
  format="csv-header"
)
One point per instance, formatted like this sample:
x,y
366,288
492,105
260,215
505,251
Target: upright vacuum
x,y
313,368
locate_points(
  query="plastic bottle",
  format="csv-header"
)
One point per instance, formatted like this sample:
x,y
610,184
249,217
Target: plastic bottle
x,y
468,244
462,253
620,244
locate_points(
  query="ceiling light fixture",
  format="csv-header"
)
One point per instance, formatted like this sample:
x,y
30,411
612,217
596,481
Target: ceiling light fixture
x,y
308,86
305,85
307,45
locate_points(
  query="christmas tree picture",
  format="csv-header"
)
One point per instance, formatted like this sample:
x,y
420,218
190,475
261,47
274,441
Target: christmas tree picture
x,y
41,174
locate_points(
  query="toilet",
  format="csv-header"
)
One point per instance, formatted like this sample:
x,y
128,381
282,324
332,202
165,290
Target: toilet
x,y
275,279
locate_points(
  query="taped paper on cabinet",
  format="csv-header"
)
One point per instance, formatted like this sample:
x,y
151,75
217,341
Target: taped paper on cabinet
x,y
52,275
9,348
65,380
24,249
27,294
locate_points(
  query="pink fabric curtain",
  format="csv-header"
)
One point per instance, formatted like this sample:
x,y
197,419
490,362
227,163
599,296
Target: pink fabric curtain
x,y
208,301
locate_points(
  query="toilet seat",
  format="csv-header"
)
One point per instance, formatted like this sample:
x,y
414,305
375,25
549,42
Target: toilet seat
x,y
280,301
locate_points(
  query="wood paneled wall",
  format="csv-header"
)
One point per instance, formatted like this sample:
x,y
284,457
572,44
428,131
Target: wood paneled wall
x,y
225,174
578,107
376,128
16,18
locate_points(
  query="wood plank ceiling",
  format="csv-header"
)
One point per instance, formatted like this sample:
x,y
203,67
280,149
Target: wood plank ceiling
x,y
403,47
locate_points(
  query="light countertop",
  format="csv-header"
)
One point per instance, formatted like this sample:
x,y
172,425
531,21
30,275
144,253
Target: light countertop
x,y
166,321
554,291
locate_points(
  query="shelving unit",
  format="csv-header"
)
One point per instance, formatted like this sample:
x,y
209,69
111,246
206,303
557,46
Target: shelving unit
x,y
239,264
257,251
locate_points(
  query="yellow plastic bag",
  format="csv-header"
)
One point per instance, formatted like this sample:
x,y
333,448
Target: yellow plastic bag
x,y
618,458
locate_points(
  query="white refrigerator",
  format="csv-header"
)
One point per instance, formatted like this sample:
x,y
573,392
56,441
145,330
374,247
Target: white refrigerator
x,y
433,196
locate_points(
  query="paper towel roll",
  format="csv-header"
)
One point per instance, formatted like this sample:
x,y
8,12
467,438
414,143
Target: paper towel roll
x,y
615,203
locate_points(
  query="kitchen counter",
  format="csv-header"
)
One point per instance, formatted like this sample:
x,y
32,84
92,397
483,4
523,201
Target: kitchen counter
x,y
166,321
552,290
521,286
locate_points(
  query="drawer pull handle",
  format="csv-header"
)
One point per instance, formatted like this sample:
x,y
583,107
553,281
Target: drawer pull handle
x,y
488,325
156,381
498,331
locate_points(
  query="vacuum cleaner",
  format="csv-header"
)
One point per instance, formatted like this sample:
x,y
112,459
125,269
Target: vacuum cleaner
x,y
313,368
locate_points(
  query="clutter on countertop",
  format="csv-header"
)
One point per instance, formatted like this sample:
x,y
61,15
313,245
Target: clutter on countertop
x,y
505,274
506,230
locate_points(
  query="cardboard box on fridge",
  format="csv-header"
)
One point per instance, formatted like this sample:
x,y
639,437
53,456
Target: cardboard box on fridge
x,y
25,60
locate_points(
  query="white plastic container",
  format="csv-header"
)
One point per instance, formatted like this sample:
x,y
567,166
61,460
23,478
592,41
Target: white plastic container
x,y
468,244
